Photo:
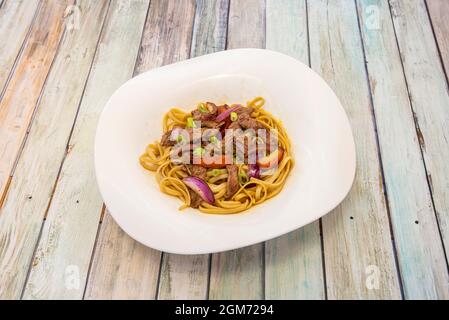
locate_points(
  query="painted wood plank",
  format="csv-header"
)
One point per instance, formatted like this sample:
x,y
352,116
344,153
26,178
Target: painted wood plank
x,y
166,39
439,11
238,274
420,252
429,96
356,235
16,18
25,85
19,224
128,271
70,230
187,276
294,267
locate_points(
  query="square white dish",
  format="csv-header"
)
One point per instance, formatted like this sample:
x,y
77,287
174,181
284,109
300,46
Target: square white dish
x,y
323,148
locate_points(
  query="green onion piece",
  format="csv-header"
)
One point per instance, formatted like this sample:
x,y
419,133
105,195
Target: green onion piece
x,y
191,123
234,116
199,151
217,172
180,138
243,178
213,139
202,107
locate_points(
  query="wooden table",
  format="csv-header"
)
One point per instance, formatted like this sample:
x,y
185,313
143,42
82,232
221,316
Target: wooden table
x,y
387,61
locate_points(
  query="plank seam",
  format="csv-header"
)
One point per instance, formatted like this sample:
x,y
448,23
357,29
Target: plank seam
x,y
437,44
379,155
429,185
67,144
31,260
104,205
320,223
94,249
22,47
158,283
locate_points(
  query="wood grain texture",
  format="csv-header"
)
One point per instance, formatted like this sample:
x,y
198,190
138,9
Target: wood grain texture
x,y
122,268
238,274
166,39
20,222
439,12
25,85
420,252
69,232
16,18
187,276
429,98
294,267
356,235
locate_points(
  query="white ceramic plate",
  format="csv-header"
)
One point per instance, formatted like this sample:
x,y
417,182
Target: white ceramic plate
x,y
323,148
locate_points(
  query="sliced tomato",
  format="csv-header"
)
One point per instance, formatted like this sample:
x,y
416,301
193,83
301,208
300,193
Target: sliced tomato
x,y
215,162
272,159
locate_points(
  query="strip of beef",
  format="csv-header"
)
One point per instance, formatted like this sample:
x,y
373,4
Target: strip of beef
x,y
232,184
198,171
166,140
247,122
211,124
195,199
208,115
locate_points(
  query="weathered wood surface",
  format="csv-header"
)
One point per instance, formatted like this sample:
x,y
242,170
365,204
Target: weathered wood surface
x,y
356,234
187,277
166,39
421,257
238,274
293,263
19,221
25,85
16,18
439,12
386,60
69,232
429,96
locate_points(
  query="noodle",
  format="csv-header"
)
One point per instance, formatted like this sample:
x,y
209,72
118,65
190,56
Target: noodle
x,y
253,192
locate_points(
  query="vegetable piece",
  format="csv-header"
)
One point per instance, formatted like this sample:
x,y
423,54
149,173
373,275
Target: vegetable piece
x,y
191,123
213,139
222,116
214,162
201,188
254,171
243,178
216,172
199,151
234,116
272,159
202,107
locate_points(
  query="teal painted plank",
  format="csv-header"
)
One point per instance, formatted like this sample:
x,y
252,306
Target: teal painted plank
x,y
359,256
420,252
238,274
429,98
294,267
187,276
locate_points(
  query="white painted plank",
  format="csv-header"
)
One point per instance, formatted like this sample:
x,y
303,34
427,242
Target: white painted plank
x,y
16,18
187,276
429,97
69,232
294,267
166,39
420,252
238,274
357,243
20,217
439,12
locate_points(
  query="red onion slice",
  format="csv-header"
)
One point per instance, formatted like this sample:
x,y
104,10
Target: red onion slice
x,y
201,188
226,113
